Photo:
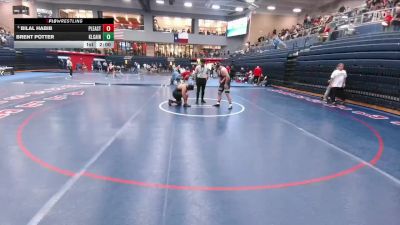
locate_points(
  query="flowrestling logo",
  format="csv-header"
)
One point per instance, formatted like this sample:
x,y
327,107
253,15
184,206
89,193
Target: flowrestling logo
x,y
341,107
37,103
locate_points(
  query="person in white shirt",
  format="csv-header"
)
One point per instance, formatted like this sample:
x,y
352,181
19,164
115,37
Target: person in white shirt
x,y
201,77
338,83
3,40
69,66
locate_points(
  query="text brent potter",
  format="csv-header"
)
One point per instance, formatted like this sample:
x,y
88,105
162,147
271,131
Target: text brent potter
x,y
34,37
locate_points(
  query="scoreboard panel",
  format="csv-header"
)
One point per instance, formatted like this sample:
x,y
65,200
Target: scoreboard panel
x,y
63,33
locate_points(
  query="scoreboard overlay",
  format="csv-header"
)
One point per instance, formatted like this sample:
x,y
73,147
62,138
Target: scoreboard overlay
x,y
63,33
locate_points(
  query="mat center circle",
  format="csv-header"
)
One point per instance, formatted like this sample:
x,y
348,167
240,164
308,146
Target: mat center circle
x,y
206,110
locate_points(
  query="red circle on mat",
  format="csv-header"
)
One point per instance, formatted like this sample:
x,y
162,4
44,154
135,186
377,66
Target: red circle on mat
x,y
65,172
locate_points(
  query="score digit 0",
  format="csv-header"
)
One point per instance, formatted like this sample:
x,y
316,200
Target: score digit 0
x,y
108,36
108,27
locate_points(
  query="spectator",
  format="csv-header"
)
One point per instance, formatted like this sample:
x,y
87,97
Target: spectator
x,y
307,21
277,42
377,4
249,77
390,4
325,33
396,19
5,37
99,66
105,66
387,21
257,75
232,72
242,72
186,74
264,81
3,40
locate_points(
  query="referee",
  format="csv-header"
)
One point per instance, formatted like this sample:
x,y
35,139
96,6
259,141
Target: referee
x,y
201,76
69,66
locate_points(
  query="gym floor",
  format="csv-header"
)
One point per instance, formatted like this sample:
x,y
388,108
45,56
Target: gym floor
x,y
97,151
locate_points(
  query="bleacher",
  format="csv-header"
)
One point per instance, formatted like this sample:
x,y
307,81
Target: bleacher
x,y
300,42
7,57
372,62
183,62
35,59
7,61
273,62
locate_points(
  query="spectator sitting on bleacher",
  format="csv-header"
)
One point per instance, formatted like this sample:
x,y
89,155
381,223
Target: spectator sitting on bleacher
x,y
3,40
264,81
4,36
387,21
390,3
325,34
249,77
307,21
277,42
317,24
396,19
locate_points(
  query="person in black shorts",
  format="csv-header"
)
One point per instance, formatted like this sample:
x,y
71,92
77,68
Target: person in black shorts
x,y
181,91
224,85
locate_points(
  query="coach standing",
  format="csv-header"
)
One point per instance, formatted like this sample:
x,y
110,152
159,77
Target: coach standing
x,y
201,76
338,83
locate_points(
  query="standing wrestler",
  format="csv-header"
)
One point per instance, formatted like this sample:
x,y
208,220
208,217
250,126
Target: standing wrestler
x,y
224,85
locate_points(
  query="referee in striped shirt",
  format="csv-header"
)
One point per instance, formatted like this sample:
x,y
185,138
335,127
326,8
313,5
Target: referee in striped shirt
x,y
201,76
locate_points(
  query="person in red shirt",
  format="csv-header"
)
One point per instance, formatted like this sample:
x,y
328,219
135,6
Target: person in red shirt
x,y
186,74
387,21
228,68
257,75
325,33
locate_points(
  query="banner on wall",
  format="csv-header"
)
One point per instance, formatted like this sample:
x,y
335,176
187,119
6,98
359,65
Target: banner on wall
x,y
182,38
118,34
